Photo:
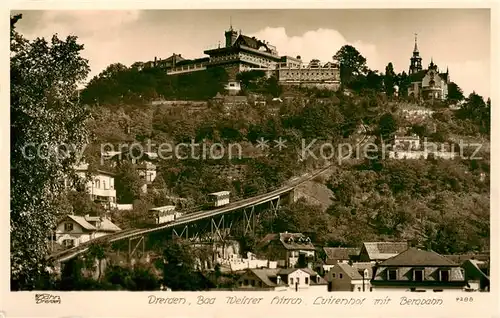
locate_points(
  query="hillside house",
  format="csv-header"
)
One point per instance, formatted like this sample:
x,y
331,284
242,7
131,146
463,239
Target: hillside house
x,y
72,230
407,142
100,187
419,271
287,248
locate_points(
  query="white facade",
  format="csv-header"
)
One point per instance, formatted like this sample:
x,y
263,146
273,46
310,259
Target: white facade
x,y
417,154
233,87
101,187
74,230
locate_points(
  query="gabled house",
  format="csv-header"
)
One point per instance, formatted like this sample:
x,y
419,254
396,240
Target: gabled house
x,y
286,248
72,230
380,251
336,255
344,277
419,271
284,279
262,279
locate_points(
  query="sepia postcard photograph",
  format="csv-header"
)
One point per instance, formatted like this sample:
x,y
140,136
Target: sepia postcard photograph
x,y
260,157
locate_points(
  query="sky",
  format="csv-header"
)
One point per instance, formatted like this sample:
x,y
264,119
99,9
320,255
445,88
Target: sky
x,y
455,38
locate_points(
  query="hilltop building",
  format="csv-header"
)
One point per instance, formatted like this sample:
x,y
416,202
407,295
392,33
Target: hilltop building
x,y
429,84
242,53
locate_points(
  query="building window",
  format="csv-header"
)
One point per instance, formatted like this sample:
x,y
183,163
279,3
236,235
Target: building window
x,y
340,275
68,227
291,281
246,282
333,275
68,243
306,280
97,183
104,185
392,274
252,282
418,275
444,275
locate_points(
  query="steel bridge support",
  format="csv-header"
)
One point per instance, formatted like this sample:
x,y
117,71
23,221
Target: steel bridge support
x,y
249,220
136,244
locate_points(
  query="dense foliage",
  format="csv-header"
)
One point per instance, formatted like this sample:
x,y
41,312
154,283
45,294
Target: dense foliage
x,y
443,205
45,113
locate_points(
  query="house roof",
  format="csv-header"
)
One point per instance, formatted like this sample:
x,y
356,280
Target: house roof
x,y
340,253
416,257
265,274
295,241
218,96
479,265
384,250
460,258
250,42
360,267
104,224
108,226
82,222
220,193
350,271
316,279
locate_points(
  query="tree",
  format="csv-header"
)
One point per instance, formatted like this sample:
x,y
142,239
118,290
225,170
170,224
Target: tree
x,y
387,125
455,93
352,64
44,111
128,183
389,79
179,269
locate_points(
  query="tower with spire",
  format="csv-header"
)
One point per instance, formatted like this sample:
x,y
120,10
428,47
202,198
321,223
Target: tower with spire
x,y
415,60
231,35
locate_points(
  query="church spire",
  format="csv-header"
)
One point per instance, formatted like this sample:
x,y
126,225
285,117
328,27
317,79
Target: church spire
x,y
230,23
415,60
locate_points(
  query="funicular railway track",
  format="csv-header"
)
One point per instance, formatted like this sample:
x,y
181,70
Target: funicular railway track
x,y
195,216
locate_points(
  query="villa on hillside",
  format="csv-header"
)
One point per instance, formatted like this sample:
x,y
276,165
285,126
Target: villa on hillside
x,y
240,53
72,230
287,248
101,186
